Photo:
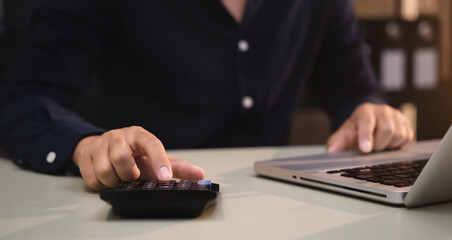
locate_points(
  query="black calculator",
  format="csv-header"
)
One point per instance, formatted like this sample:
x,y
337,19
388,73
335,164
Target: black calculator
x,y
153,199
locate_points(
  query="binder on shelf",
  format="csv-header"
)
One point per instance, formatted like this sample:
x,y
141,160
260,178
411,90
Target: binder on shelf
x,y
425,60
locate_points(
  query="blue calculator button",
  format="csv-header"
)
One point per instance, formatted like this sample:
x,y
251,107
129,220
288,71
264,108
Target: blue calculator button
x,y
204,182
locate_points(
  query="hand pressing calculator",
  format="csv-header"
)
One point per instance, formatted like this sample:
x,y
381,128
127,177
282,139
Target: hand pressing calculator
x,y
153,199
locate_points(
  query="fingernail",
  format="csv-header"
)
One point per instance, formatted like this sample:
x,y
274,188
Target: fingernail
x,y
164,173
365,145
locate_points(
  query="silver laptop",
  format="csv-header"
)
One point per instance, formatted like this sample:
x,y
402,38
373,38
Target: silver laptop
x,y
417,175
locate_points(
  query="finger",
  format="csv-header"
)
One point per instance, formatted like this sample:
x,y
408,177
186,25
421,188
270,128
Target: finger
x,y
336,143
410,133
401,134
102,166
342,139
156,159
185,170
366,129
121,158
146,172
87,171
384,130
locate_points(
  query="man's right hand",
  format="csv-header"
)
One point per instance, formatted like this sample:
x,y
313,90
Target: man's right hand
x,y
128,154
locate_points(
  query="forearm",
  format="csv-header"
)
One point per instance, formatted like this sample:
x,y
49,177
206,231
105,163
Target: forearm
x,y
343,77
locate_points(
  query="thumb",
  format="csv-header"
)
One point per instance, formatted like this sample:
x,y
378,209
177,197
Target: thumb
x,y
185,170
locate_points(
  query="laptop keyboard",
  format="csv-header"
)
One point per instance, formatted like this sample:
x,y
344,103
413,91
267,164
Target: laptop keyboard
x,y
402,174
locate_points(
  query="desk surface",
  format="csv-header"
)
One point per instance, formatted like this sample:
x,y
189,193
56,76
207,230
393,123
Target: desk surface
x,y
37,206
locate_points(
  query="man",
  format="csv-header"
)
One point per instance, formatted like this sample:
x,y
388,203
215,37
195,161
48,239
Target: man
x,y
186,74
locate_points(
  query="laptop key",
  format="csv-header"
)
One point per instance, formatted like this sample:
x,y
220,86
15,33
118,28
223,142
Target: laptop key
x,y
374,179
407,184
404,176
389,177
346,175
365,176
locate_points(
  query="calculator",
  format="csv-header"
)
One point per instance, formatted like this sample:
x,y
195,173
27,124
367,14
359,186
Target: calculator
x,y
154,199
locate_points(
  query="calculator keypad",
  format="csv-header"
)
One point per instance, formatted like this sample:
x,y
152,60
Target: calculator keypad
x,y
171,185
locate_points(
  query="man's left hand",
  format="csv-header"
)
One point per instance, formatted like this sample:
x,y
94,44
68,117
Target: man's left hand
x,y
372,127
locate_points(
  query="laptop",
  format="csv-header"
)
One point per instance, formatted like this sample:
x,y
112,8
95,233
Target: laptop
x,y
417,175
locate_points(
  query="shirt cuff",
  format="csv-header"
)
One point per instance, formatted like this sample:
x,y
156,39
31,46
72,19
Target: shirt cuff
x,y
52,154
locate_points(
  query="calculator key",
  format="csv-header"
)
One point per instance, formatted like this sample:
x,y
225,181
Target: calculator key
x,y
130,186
202,187
149,185
204,182
184,185
166,185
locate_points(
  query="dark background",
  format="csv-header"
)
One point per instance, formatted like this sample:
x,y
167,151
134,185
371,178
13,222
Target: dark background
x,y
311,125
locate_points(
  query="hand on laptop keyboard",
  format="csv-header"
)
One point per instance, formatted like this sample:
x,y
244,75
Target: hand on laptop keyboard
x,y
372,127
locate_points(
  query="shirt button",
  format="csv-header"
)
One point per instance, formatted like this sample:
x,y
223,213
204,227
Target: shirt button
x,y
51,156
20,161
247,102
243,46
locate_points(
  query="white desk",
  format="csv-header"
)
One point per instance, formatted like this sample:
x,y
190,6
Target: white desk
x,y
37,206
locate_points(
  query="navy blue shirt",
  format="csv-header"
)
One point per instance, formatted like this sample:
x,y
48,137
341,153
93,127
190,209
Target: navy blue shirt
x,y
183,70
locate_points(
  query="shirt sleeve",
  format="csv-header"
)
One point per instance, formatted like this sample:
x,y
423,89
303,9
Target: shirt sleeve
x,y
343,77
38,131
